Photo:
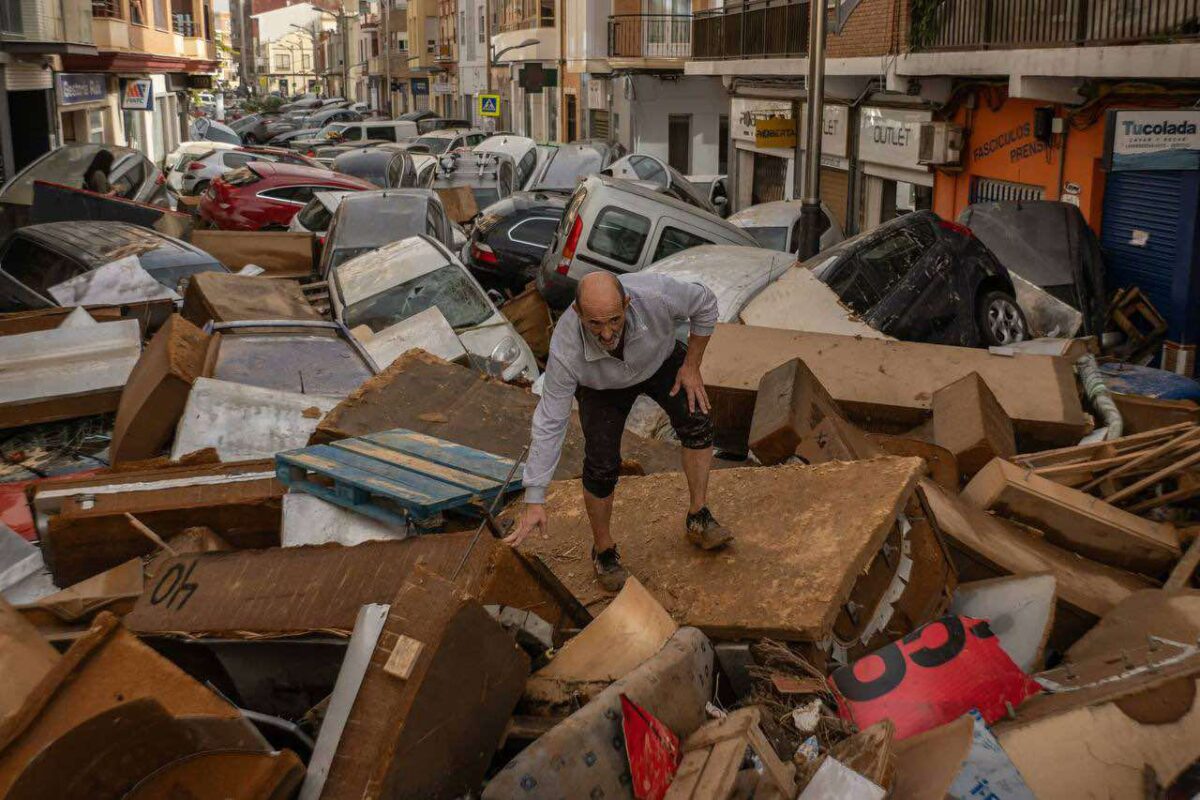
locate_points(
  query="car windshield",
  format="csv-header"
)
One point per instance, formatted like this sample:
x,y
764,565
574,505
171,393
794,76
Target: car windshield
x,y
436,144
772,238
447,288
566,167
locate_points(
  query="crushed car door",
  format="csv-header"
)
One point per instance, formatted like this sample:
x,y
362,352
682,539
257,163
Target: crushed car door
x,y
911,269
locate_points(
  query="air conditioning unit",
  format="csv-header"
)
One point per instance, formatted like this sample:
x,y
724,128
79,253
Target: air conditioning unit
x,y
940,143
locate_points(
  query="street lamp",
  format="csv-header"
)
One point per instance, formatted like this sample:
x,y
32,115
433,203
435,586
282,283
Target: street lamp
x,y
493,56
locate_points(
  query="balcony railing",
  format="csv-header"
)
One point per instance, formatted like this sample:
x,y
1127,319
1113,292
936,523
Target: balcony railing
x,y
183,24
650,36
107,9
752,29
1006,24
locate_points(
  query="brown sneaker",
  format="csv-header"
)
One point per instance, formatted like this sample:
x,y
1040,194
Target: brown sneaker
x,y
705,532
608,568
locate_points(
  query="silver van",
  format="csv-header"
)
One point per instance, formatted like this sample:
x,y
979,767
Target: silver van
x,y
624,226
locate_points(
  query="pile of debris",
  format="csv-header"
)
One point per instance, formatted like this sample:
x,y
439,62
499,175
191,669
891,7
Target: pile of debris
x,y
241,560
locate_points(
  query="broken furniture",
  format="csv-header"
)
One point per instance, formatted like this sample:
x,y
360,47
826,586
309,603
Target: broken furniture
x,y
398,476
839,554
84,529
713,757
74,370
225,297
1075,520
888,386
970,423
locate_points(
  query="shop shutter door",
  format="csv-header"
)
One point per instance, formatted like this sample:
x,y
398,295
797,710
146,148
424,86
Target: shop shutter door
x,y
770,175
1149,206
835,192
987,190
27,77
598,123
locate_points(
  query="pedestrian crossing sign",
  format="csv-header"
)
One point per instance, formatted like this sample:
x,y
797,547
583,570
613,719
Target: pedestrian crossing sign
x,y
489,105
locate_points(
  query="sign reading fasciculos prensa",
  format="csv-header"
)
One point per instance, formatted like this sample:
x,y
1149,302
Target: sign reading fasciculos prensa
x,y
1154,140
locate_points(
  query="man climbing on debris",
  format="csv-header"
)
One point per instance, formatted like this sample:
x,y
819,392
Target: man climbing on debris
x,y
616,342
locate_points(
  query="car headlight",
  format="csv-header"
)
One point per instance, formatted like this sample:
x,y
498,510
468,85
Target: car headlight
x,y
504,355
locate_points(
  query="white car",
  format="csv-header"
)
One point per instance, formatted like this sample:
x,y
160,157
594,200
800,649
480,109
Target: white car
x,y
735,274
186,153
528,156
449,139
383,288
776,225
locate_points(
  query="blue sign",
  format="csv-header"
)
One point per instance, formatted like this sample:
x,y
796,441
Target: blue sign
x,y
489,105
420,86
81,87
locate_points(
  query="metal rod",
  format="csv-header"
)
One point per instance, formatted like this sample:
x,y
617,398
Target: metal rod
x,y
487,515
810,210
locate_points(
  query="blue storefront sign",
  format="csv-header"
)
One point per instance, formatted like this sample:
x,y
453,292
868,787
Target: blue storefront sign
x,y
420,86
81,87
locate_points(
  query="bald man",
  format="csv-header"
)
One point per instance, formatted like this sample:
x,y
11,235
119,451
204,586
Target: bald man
x,y
615,342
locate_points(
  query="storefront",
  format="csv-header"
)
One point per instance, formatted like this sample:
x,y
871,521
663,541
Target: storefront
x,y
1152,217
28,126
892,181
150,110
1023,150
85,104
835,158
765,165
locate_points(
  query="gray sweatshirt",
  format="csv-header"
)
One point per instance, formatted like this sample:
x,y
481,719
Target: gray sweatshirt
x,y
657,305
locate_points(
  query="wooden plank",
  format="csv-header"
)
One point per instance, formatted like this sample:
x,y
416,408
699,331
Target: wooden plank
x,y
1087,451
448,454
1073,519
421,466
418,492
1143,458
1181,575
721,770
1150,480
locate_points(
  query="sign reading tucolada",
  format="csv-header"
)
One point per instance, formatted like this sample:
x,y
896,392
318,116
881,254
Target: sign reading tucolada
x,y
1154,140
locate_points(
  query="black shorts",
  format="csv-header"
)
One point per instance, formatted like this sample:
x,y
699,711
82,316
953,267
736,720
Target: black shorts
x,y
602,413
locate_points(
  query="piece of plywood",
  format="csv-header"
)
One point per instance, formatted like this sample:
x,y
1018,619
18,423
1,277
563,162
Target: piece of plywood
x,y
803,536
281,254
969,422
428,395
1001,547
1151,612
632,628
888,386
1074,520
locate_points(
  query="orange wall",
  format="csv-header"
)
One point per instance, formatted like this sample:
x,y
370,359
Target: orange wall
x,y
1000,145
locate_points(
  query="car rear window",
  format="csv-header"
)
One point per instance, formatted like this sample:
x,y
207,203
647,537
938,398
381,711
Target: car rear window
x,y
619,235
536,231
240,177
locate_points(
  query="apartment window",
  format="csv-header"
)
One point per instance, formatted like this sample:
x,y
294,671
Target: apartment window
x,y
100,8
482,28
136,15
283,62
306,62
462,26
95,119
162,20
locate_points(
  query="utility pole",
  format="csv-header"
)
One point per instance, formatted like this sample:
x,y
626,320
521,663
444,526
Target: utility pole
x,y
810,209
387,60
487,43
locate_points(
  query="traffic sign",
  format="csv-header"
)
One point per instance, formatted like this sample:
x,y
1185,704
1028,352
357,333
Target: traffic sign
x,y
489,105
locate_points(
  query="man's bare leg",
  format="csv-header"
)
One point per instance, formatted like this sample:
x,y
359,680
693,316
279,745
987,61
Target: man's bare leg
x,y
696,465
599,511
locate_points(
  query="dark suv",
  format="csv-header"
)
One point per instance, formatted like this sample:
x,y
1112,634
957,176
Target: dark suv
x,y
923,279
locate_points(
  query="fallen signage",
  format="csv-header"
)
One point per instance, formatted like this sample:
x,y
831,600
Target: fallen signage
x,y
888,386
796,542
77,369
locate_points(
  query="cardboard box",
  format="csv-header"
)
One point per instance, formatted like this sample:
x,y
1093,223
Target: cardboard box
x,y
969,422
157,391
222,297
1075,520
434,701
281,254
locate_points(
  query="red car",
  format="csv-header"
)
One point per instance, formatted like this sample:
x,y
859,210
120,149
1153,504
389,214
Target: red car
x,y
265,195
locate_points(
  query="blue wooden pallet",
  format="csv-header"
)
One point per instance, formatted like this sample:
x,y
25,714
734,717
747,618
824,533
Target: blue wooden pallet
x,y
396,476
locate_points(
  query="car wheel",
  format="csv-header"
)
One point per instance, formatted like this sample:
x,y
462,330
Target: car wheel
x,y
1000,320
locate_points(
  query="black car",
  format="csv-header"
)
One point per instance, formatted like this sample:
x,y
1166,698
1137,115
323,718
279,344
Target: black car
x,y
510,238
387,168
921,278
36,258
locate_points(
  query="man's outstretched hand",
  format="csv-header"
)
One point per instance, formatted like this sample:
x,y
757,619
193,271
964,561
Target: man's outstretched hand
x,y
689,379
533,518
